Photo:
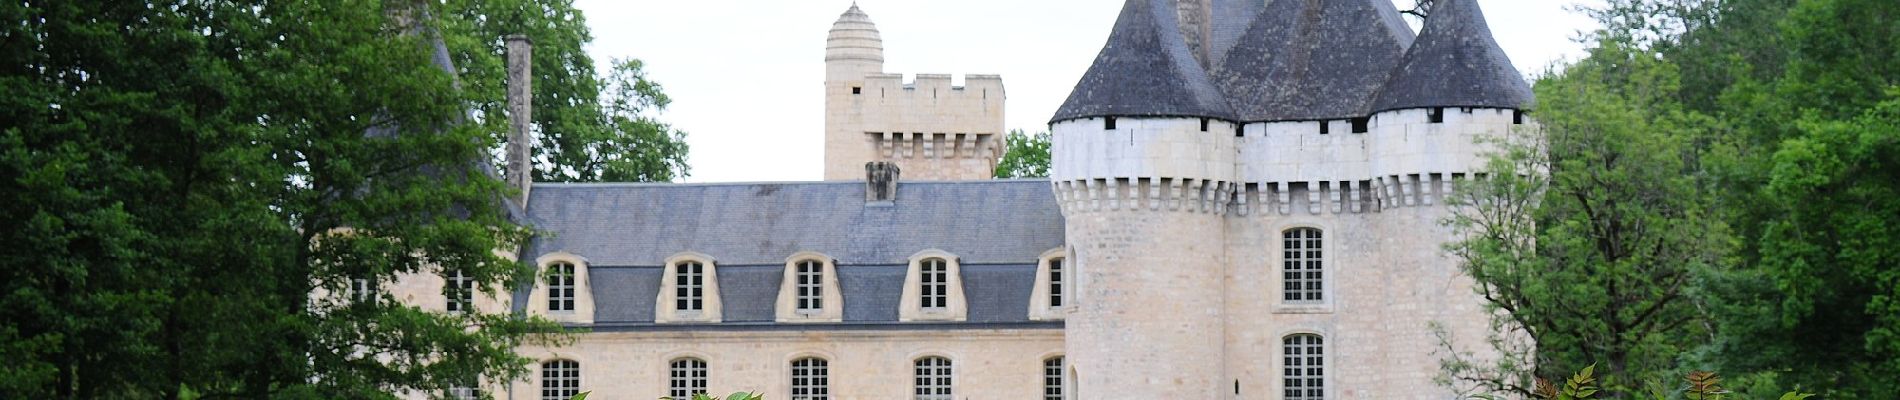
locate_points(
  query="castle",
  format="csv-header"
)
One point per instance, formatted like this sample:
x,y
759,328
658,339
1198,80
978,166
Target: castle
x,y
1246,204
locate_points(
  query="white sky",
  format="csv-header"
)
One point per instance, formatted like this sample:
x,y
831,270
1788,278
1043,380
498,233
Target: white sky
x,y
747,76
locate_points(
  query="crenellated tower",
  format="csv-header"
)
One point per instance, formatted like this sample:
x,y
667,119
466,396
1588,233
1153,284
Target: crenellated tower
x,y
1253,197
931,128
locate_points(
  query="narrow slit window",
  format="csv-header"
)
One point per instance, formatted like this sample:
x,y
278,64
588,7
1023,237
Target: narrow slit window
x,y
1361,125
1517,117
810,286
561,287
857,90
1436,115
934,277
1325,127
1303,272
1204,122
1109,123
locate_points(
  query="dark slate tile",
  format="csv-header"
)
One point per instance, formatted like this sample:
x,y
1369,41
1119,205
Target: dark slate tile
x,y
998,293
624,294
750,293
871,293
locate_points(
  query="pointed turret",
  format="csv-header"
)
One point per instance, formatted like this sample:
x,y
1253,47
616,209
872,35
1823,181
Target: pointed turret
x,y
854,47
1455,63
1146,69
1311,60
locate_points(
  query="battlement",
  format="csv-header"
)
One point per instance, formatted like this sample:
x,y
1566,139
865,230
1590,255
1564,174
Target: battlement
x,y
937,85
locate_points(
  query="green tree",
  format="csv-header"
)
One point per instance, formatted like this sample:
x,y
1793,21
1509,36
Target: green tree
x,y
191,186
1588,235
1025,156
590,128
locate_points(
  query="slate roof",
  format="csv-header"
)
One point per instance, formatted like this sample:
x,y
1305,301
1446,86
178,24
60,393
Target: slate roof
x,y
1455,63
998,229
1231,19
1145,69
1304,60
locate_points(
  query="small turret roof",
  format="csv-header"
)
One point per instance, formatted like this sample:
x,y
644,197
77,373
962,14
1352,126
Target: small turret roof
x,y
1455,63
1303,60
1145,69
854,37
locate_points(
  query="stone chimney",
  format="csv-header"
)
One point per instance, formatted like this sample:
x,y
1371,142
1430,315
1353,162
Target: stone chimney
x,y
880,181
520,152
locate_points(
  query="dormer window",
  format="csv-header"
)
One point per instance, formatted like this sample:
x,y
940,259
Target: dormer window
x,y
561,287
689,290
933,289
809,292
1054,279
689,283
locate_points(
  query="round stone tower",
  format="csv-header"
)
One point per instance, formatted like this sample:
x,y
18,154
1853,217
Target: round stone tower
x,y
1143,161
853,49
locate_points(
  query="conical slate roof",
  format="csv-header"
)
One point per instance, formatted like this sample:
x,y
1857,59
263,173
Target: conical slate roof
x,y
1304,60
1231,18
1146,69
1455,63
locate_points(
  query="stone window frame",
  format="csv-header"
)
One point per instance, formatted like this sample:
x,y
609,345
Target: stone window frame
x,y
950,363
910,307
831,294
1040,296
1329,264
789,377
583,312
680,370
1061,377
365,289
560,393
664,308
1277,385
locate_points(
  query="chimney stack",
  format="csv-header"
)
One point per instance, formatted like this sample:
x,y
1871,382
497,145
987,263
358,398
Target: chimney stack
x,y
520,152
880,181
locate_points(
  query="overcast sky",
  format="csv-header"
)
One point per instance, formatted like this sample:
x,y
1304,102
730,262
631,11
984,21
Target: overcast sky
x,y
747,76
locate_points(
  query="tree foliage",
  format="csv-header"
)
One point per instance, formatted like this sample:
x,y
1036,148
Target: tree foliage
x,y
189,185
1025,156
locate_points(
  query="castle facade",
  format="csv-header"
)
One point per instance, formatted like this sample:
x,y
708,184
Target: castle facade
x,y
1246,204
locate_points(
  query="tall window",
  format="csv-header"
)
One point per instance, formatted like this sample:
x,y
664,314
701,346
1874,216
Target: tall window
x,y
1303,272
811,287
811,379
560,380
933,379
459,288
935,274
689,286
561,287
1055,281
464,393
1305,371
1052,378
688,377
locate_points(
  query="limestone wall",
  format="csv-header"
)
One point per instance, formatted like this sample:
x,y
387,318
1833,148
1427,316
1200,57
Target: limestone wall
x,y
931,129
867,365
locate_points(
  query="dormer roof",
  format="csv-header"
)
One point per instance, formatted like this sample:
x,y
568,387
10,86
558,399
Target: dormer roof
x,y
1455,63
1145,69
1303,60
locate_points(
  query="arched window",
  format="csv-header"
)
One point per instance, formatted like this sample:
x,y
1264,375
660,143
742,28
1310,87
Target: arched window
x,y
561,287
933,379
459,289
811,379
688,376
1055,281
1304,374
560,379
1052,385
689,286
1303,272
811,287
935,275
